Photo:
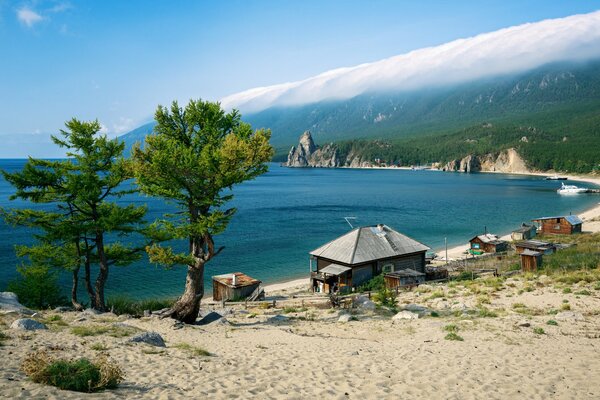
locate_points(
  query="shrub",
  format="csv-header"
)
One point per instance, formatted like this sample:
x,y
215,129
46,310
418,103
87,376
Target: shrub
x,y
539,331
372,285
552,322
434,314
37,287
386,298
485,313
453,336
125,305
567,290
583,293
96,330
565,307
81,375
451,328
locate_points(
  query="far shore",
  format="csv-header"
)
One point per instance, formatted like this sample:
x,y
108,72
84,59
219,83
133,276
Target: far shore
x,y
590,217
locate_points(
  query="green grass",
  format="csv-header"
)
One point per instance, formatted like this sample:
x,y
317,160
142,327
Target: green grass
x,y
125,305
81,375
451,328
583,292
453,336
96,330
567,290
438,294
99,347
289,310
486,313
196,351
539,331
565,307
552,322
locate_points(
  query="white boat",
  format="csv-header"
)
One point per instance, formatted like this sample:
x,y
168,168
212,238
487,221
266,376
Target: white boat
x,y
555,178
571,189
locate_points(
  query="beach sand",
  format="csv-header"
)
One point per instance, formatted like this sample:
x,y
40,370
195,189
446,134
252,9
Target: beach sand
x,y
311,355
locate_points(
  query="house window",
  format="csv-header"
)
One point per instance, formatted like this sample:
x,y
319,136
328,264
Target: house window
x,y
388,268
557,227
558,220
475,245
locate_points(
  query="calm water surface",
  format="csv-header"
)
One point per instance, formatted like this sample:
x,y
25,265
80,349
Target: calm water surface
x,y
285,213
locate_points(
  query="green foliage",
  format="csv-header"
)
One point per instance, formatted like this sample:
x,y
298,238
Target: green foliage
x,y
81,375
454,336
486,313
37,287
567,290
552,322
451,328
372,285
194,350
386,298
583,292
96,330
125,305
539,331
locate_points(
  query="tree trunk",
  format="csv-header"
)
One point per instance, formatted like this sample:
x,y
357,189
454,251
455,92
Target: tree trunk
x,y
88,277
102,274
187,307
76,304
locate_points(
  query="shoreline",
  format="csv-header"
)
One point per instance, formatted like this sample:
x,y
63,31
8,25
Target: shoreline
x,y
590,218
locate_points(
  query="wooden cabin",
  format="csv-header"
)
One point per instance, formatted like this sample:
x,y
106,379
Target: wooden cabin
x,y
525,232
487,243
566,225
405,277
531,260
535,245
235,286
359,255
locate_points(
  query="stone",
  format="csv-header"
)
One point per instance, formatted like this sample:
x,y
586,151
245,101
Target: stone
x,y
405,315
345,318
210,318
27,324
278,319
569,316
9,303
459,307
363,302
415,308
147,313
523,324
90,312
151,338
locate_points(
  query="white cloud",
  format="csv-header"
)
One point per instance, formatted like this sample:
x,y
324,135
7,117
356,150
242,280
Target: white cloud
x,y
508,50
103,129
28,17
123,125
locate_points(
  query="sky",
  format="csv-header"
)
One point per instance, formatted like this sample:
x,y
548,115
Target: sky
x,y
115,61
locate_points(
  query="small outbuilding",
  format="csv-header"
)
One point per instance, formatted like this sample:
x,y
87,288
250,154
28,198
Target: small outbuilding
x,y
487,243
359,255
525,232
235,286
531,260
405,277
535,245
565,225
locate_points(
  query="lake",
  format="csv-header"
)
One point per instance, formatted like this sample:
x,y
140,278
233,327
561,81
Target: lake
x,y
288,212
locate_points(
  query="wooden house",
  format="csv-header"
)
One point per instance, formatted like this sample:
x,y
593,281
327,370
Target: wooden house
x,y
565,225
487,243
525,232
235,286
359,255
531,260
405,277
535,245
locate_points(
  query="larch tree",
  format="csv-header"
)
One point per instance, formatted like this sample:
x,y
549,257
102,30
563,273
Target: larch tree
x,y
82,223
193,158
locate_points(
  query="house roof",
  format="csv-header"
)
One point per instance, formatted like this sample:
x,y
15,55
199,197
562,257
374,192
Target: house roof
x,y
534,244
335,269
571,219
241,280
488,238
405,272
367,244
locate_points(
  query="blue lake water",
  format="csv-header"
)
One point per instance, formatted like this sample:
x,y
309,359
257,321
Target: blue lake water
x,y
287,212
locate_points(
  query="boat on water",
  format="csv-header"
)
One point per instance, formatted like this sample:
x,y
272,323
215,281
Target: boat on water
x,y
571,189
555,178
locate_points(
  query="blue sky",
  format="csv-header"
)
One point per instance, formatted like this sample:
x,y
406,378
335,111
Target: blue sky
x,y
117,60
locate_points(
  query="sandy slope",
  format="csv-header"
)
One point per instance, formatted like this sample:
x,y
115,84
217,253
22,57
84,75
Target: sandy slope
x,y
372,357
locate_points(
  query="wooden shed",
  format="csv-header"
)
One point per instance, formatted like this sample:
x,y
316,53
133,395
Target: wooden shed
x,y
535,245
525,232
487,243
403,278
531,260
565,225
235,286
359,255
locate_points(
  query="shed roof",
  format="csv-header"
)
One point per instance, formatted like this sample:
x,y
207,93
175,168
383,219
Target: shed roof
x,y
534,244
531,253
571,219
241,280
524,228
367,244
405,272
488,238
335,269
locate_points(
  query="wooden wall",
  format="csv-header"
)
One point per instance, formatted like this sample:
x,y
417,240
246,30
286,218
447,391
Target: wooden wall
x,y
559,226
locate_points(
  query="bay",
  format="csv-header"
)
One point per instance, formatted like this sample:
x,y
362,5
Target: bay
x,y
288,212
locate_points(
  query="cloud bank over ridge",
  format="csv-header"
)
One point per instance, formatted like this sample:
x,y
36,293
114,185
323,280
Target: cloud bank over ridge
x,y
509,50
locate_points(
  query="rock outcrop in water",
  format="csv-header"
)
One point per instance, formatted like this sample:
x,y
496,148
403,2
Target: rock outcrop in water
x,y
307,154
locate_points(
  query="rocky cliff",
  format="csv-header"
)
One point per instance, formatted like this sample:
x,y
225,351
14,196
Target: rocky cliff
x,y
307,154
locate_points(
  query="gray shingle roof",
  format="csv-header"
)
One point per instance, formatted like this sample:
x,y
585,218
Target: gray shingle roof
x,y
367,244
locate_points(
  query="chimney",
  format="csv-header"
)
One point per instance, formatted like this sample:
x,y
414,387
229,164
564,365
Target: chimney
x,y
233,279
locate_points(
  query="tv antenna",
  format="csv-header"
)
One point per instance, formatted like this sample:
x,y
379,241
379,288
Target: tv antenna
x,y
347,220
